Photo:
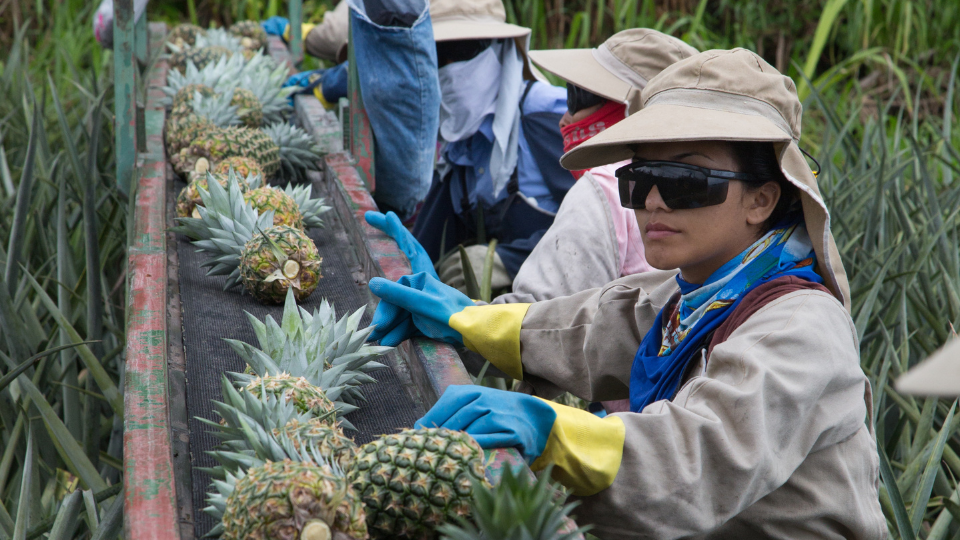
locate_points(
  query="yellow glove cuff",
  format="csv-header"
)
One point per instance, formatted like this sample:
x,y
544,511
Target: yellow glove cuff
x,y
305,29
585,450
493,331
318,92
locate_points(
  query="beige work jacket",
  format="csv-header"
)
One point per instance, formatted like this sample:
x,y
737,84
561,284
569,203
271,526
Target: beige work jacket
x,y
769,438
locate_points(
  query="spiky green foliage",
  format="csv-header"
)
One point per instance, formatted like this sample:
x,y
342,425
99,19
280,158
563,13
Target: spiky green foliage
x,y
414,481
311,209
298,151
520,507
198,56
262,426
325,341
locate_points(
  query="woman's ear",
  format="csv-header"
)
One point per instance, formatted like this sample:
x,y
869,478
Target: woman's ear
x,y
759,203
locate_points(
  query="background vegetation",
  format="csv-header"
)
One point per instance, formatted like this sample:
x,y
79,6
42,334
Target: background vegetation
x,y
880,119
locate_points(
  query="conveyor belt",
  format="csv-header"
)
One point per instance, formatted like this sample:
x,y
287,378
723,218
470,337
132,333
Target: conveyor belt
x,y
210,314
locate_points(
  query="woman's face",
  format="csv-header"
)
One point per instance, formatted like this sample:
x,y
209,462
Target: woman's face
x,y
699,241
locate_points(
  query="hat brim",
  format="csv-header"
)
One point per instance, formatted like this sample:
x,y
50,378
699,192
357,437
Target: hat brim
x,y
938,375
660,123
467,29
578,66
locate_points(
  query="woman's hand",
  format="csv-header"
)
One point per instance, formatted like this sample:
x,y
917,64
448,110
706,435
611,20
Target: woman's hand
x,y
391,225
423,300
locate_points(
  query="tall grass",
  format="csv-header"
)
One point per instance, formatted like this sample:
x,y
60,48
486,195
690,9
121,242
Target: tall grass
x,y
63,226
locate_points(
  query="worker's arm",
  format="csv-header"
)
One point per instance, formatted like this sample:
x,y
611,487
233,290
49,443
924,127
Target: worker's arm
x,y
578,252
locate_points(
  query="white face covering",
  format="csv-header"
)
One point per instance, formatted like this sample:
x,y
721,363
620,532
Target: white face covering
x,y
468,93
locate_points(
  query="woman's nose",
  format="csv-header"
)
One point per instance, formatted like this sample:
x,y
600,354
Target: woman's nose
x,y
655,201
565,120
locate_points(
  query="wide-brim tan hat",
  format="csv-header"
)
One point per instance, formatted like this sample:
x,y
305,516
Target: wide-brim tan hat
x,y
725,95
618,69
472,19
938,375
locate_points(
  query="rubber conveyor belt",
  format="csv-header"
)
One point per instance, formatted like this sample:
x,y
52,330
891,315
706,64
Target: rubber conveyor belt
x,y
210,314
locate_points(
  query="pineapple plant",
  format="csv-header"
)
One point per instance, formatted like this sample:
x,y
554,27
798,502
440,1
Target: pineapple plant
x,y
253,32
286,211
279,147
189,197
193,119
178,131
295,500
198,56
184,35
416,480
242,165
520,507
248,249
183,99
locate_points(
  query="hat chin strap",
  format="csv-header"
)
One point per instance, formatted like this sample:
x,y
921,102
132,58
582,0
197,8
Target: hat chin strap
x,y
721,101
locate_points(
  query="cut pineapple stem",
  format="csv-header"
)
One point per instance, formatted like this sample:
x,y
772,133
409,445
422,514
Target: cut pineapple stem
x,y
195,213
291,268
315,530
202,166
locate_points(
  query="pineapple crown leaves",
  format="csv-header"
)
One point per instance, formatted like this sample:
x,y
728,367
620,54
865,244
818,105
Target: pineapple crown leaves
x,y
298,151
518,508
216,108
266,83
226,223
226,69
326,340
218,37
311,209
246,429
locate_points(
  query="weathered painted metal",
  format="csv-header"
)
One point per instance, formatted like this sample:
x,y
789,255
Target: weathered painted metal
x,y
150,498
124,80
140,37
295,16
361,135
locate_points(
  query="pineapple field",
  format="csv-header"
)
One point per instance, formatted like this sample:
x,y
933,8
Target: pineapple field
x,y
188,357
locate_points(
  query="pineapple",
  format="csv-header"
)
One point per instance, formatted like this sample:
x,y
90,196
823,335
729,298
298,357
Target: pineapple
x,y
248,249
198,56
288,500
412,482
307,398
248,107
184,35
328,440
253,32
180,130
259,74
218,144
183,99
285,208
277,259
520,507
189,197
242,165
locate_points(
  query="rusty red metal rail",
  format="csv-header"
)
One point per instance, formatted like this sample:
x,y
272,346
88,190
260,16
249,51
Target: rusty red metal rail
x,y
150,498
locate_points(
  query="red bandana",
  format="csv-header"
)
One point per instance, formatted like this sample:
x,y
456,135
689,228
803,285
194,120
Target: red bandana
x,y
578,132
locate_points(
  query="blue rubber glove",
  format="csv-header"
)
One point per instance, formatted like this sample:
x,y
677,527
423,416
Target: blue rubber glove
x,y
301,79
422,297
495,418
275,26
390,224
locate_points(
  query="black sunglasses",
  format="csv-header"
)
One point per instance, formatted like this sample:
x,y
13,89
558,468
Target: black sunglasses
x,y
462,50
681,186
579,99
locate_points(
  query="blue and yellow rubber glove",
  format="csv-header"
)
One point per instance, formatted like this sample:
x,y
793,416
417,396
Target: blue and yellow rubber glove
x,y
391,225
275,26
585,450
421,304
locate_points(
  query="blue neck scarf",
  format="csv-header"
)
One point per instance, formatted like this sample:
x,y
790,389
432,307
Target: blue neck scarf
x,y
667,348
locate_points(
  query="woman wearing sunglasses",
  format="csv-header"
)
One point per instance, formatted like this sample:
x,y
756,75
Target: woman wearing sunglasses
x,y
749,413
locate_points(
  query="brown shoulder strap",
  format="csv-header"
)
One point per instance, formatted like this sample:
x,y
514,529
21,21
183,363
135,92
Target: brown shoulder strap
x,y
756,299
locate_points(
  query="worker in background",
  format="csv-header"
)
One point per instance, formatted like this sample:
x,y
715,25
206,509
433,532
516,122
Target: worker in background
x,y
591,228
749,412
497,174
326,41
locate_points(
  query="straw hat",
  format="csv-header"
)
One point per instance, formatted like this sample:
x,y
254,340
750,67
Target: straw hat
x,y
472,19
728,96
938,375
619,68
